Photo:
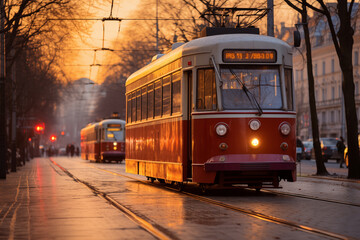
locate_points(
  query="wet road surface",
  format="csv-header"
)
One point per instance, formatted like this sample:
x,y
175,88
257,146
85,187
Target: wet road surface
x,y
69,210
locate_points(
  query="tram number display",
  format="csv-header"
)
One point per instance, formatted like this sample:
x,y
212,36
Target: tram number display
x,y
249,56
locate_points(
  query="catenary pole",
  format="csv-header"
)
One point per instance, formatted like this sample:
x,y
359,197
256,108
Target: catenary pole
x,y
270,18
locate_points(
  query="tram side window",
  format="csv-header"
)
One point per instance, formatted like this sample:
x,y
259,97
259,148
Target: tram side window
x,y
158,98
166,96
133,107
138,105
150,96
206,90
176,93
143,103
128,108
288,87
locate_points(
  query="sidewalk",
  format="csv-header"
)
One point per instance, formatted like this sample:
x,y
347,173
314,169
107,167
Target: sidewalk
x,y
40,201
308,168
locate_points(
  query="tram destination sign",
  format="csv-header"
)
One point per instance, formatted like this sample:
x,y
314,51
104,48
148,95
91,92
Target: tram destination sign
x,y
249,56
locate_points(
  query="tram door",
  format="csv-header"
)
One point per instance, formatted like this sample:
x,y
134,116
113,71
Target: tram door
x,y
189,132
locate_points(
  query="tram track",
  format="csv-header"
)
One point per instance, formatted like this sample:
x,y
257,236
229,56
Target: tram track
x,y
142,222
310,197
248,212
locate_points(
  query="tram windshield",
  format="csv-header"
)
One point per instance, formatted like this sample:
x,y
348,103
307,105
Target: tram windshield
x,y
255,87
115,134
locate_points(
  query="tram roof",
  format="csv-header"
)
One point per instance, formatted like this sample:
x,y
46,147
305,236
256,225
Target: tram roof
x,y
105,121
110,121
206,44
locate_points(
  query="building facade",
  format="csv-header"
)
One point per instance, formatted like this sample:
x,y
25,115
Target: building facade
x,y
328,83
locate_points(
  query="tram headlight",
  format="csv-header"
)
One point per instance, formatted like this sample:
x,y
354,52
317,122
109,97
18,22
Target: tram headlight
x,y
285,128
255,142
221,129
254,124
115,143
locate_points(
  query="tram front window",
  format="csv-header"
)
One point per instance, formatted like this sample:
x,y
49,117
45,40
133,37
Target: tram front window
x,y
255,87
114,134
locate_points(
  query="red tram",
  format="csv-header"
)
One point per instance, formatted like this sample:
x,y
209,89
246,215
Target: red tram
x,y
103,141
216,110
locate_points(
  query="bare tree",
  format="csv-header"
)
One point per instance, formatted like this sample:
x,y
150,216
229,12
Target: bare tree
x,y
343,40
320,166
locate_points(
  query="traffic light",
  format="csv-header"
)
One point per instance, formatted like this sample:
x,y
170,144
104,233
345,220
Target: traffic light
x,y
52,138
39,128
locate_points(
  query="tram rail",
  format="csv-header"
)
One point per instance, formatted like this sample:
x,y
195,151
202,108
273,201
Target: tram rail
x,y
159,232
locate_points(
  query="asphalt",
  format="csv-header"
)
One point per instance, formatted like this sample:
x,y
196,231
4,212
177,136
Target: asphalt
x,y
40,201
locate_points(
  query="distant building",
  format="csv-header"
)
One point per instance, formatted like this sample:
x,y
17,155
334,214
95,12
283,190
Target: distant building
x,y
328,78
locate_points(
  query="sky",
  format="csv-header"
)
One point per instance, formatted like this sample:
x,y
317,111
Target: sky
x,y
85,55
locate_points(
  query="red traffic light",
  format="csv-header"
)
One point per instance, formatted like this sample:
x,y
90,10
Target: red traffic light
x,y
52,138
39,128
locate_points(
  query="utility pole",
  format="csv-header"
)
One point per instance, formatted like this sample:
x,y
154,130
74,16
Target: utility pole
x,y
270,18
157,26
3,149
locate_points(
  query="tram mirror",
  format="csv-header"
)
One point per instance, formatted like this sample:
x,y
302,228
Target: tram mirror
x,y
297,39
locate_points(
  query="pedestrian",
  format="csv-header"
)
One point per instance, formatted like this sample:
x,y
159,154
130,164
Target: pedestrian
x,y
77,151
299,149
72,150
341,148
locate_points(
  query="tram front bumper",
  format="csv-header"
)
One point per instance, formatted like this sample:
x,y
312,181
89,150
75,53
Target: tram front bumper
x,y
250,162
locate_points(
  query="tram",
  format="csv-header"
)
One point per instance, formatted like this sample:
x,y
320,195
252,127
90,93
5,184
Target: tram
x,y
103,141
216,111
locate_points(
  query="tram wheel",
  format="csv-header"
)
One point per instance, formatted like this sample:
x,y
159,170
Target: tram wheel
x,y
203,187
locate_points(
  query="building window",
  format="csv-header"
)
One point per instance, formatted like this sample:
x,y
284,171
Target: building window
x,y
332,116
323,65
332,65
332,93
356,88
315,70
323,117
324,97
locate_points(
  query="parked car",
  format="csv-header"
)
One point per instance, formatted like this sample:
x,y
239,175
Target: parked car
x,y
299,149
308,146
328,149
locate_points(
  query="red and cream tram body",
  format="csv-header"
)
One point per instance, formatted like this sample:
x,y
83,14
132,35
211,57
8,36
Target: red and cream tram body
x,y
216,110
103,141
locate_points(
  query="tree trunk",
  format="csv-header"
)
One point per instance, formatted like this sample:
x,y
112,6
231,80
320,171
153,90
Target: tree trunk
x,y
320,166
346,41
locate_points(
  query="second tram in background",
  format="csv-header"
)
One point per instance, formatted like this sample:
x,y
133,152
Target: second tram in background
x,y
103,141
218,110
